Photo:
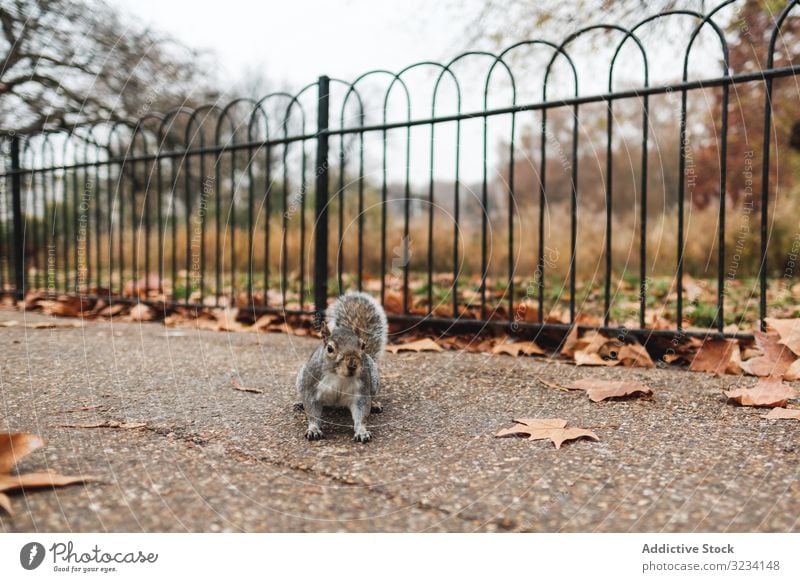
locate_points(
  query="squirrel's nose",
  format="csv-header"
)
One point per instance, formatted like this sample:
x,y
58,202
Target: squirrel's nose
x,y
352,365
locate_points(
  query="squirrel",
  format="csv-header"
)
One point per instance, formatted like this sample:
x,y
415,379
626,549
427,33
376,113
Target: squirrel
x,y
343,370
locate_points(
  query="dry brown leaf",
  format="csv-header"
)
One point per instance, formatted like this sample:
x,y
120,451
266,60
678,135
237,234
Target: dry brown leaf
x,y
598,390
393,302
263,322
15,446
772,392
570,342
735,365
783,414
237,385
595,349
54,325
587,350
44,479
788,330
226,319
583,358
421,345
512,348
793,373
467,343
106,424
5,504
554,429
714,356
551,384
776,360
141,312
65,306
635,355
112,310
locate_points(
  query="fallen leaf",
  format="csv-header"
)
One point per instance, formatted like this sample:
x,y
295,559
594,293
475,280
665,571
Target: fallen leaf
x,y
518,348
793,373
106,424
776,360
598,390
226,319
783,414
788,330
112,310
45,479
568,348
554,429
263,322
141,312
5,504
65,306
393,302
635,355
237,385
595,349
551,384
15,446
583,358
771,391
714,356
54,325
422,345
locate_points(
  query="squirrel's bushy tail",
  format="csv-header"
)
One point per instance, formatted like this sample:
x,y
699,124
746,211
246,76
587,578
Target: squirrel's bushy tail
x,y
361,313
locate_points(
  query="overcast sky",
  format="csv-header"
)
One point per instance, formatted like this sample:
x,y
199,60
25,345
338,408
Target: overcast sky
x,y
294,41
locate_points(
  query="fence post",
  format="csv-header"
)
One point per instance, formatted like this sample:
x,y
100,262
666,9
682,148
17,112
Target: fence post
x,y
321,202
16,211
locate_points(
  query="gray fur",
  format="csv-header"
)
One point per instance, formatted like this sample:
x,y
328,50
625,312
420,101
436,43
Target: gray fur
x,y
343,371
362,314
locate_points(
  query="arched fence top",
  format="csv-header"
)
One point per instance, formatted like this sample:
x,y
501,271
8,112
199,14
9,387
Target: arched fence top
x,y
776,30
263,121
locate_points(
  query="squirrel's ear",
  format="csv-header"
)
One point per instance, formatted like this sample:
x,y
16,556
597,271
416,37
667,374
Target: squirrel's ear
x,y
325,331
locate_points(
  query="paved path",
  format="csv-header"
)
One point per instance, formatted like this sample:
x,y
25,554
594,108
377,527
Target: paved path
x,y
214,458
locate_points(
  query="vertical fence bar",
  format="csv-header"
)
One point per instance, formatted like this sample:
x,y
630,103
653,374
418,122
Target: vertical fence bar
x,y
573,267
512,207
321,200
723,179
681,196
764,227
609,209
643,217
542,189
16,209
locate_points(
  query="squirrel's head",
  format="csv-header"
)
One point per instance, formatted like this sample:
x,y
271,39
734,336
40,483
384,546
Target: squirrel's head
x,y
343,349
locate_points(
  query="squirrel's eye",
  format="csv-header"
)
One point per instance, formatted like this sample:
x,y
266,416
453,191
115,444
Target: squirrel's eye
x,y
330,349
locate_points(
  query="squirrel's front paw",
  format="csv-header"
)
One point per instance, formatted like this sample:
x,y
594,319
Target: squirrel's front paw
x,y
314,434
363,436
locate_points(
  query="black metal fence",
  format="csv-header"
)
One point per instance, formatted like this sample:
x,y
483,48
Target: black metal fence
x,y
215,205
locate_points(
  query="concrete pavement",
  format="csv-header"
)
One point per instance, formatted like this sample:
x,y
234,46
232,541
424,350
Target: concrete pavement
x,y
214,458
